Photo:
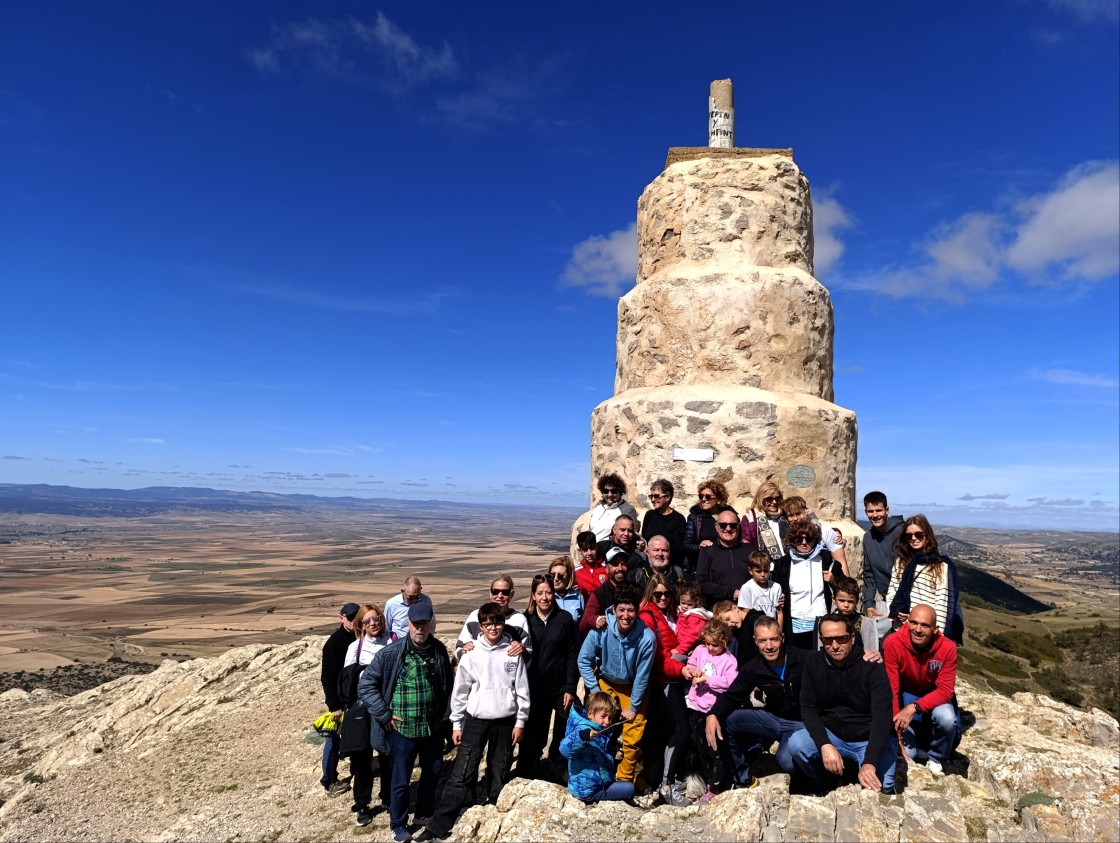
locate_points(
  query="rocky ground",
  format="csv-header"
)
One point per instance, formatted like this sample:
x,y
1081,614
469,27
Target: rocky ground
x,y
221,749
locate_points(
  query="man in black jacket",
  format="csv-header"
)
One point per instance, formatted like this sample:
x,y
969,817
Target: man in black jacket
x,y
762,705
724,566
334,654
846,708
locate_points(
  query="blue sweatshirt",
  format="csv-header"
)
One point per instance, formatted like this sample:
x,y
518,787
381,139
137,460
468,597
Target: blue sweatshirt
x,y
619,658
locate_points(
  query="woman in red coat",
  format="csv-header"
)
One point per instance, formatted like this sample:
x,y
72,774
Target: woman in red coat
x,y
667,719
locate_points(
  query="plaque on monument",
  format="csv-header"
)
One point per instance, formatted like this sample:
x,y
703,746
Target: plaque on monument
x,y
694,454
801,476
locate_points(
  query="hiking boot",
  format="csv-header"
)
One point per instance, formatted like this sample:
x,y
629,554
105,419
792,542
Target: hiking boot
x,y
401,835
934,766
676,795
338,788
365,817
426,835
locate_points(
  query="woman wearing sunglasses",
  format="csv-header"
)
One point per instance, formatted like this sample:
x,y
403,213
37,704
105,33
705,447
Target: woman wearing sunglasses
x,y
700,526
921,574
666,734
804,575
601,517
562,575
765,524
553,673
371,635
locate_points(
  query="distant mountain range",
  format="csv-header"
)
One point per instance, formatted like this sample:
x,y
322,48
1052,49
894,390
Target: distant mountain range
x,y
26,499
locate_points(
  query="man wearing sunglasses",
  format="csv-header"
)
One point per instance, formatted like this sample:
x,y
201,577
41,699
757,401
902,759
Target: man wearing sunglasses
x,y
397,606
846,708
517,625
725,565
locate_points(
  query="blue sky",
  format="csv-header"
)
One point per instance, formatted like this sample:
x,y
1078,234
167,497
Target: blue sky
x,y
376,248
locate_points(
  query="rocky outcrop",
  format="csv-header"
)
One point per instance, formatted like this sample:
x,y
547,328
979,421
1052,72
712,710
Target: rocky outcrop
x,y
222,749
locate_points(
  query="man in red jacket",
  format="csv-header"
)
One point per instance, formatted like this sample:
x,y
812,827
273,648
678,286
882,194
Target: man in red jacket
x,y
922,669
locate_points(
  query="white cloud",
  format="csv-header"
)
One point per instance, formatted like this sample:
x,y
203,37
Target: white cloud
x,y
1075,378
147,440
344,49
604,265
1074,229
1069,234
829,217
1087,10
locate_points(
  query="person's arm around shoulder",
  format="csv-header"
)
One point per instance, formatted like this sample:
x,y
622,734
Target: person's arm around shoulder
x,y
465,637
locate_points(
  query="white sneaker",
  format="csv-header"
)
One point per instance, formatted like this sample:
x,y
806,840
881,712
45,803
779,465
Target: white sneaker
x,y
934,766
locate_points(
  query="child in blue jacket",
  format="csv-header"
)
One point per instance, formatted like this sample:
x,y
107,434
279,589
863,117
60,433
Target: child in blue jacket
x,y
591,746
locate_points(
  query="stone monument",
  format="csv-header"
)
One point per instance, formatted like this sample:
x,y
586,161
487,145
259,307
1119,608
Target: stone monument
x,y
724,350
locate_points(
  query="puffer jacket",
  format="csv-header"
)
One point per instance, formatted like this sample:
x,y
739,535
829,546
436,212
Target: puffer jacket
x,y
591,763
665,667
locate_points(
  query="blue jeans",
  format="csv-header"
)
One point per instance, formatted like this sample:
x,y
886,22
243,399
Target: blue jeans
x,y
807,758
933,734
402,756
749,726
613,792
330,760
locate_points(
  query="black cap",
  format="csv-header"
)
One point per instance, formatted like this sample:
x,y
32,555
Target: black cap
x,y
349,610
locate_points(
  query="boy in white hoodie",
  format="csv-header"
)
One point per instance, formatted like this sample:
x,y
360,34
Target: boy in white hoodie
x,y
489,709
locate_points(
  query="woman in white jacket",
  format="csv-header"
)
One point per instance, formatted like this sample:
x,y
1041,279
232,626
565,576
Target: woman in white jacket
x,y
370,636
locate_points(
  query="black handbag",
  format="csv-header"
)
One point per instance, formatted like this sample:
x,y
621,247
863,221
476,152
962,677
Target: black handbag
x,y
348,679
353,734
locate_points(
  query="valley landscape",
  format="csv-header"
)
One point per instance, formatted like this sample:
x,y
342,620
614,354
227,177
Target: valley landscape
x,y
100,583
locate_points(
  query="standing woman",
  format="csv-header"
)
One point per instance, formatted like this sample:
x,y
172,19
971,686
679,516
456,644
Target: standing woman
x,y
562,575
766,525
371,635
552,679
921,574
801,575
666,736
700,526
663,520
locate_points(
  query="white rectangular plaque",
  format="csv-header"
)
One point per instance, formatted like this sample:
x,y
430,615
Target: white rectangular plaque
x,y
694,454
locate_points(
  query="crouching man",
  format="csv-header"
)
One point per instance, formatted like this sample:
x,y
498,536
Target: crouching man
x,y
846,708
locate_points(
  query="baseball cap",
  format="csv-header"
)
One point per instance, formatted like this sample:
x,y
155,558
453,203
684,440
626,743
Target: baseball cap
x,y
419,612
349,610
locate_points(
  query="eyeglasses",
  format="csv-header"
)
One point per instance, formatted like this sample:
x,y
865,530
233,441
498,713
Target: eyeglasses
x,y
799,540
409,598
660,595
491,625
612,491
827,640
706,497
727,525
505,592
916,536
773,499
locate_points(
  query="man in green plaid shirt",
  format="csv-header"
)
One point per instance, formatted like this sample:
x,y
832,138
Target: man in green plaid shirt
x,y
407,689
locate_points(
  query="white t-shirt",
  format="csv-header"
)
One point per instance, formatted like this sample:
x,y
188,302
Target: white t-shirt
x,y
753,596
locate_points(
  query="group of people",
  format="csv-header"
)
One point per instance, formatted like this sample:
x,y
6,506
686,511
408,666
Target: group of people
x,y
699,642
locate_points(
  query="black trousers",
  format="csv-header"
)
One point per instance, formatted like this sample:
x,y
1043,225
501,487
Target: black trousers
x,y
493,736
361,767
544,708
665,743
708,760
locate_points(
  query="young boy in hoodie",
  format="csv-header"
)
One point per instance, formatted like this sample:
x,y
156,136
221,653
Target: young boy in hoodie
x,y
591,746
489,709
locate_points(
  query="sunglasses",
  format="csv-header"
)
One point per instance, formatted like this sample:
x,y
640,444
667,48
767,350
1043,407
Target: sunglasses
x,y
777,499
800,540
370,620
558,577
660,595
706,497
410,598
834,639
505,592
612,491
654,497
727,525
916,536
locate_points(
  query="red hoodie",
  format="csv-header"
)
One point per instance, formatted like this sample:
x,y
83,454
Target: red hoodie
x,y
932,673
665,667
